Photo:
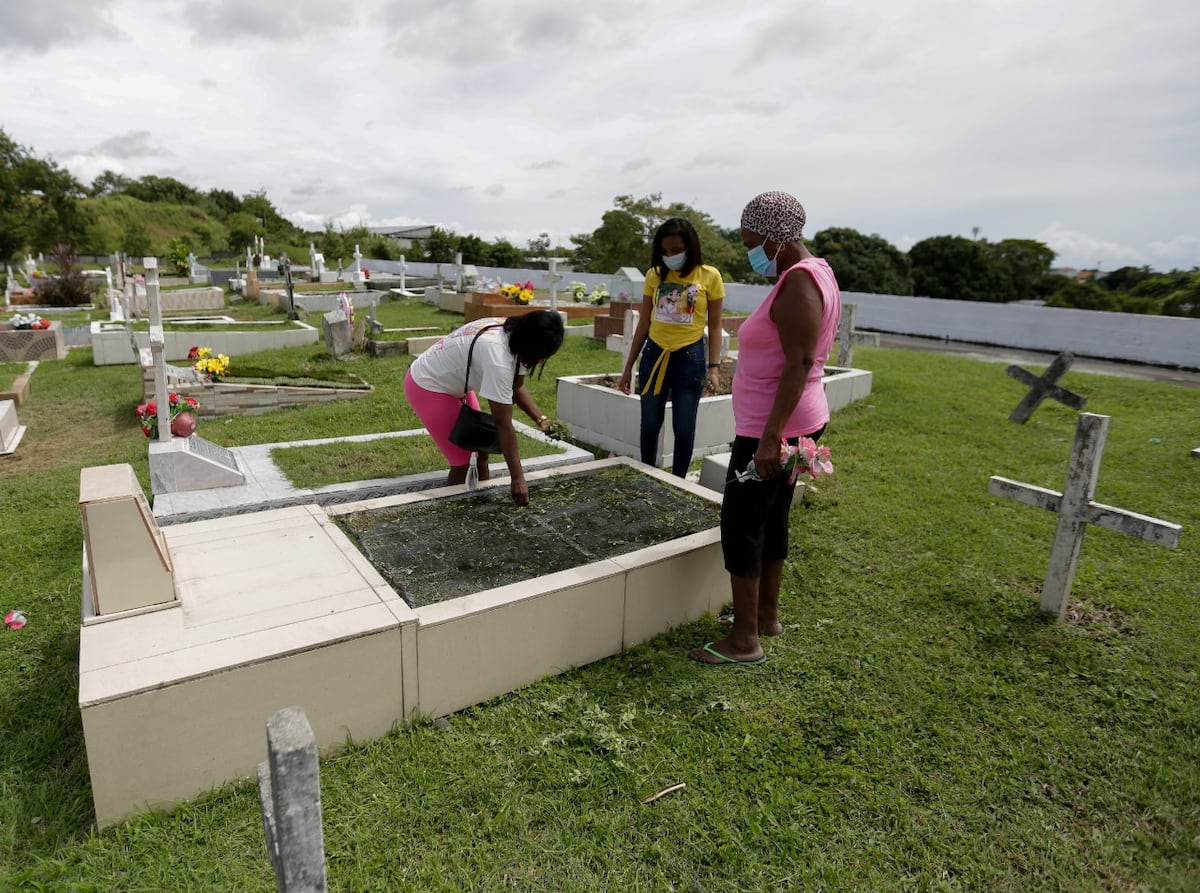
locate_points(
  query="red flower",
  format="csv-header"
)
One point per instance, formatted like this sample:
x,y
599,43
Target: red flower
x,y
194,353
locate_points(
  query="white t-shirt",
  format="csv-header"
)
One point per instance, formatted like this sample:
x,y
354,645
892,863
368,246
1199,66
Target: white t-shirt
x,y
443,367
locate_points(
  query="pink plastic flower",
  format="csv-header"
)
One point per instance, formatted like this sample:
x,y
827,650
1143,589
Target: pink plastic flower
x,y
15,619
807,458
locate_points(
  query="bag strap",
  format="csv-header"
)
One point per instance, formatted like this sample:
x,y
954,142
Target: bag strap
x,y
471,350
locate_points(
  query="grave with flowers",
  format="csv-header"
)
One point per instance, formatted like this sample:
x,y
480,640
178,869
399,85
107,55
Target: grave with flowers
x,y
28,336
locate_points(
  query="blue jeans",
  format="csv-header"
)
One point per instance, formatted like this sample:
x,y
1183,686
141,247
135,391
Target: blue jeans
x,y
683,386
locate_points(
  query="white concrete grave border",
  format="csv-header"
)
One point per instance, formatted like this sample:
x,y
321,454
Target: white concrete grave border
x,y
172,700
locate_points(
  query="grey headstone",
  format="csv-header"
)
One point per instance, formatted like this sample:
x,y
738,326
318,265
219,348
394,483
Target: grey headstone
x,y
289,792
337,333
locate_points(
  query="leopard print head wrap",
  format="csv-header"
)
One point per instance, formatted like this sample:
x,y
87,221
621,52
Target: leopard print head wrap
x,y
776,216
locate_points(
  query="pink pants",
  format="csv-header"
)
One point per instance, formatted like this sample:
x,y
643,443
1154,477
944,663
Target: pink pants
x,y
438,413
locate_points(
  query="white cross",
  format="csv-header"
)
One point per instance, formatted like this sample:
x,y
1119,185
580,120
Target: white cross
x,y
403,267
553,277
1075,510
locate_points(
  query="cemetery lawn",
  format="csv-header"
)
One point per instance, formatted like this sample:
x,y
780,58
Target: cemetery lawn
x,y
323,464
919,726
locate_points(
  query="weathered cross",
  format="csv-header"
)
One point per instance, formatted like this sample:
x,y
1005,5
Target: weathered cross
x,y
848,336
1043,387
1075,510
289,792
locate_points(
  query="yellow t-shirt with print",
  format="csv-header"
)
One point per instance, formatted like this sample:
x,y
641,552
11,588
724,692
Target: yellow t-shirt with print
x,y
679,314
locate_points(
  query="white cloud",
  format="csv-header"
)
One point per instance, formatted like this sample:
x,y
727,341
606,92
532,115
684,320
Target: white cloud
x,y
910,119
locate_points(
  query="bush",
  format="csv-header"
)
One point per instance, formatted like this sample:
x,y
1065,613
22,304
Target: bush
x,y
69,287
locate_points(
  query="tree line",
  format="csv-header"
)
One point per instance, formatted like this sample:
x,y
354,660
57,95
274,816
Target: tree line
x,y
43,207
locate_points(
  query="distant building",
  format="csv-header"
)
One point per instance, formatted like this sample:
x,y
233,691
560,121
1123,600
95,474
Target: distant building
x,y
404,236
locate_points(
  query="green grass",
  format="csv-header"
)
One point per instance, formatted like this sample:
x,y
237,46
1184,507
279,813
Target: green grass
x,y
9,372
330,463
919,726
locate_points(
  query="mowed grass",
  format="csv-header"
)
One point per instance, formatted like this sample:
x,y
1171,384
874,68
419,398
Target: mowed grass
x,y
918,727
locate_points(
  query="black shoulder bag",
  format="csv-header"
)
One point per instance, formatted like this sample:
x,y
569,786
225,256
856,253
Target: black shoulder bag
x,y
474,429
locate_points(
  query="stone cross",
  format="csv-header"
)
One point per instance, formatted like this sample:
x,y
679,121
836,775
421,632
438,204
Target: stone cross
x,y
191,259
8,286
403,268
158,342
249,257
553,277
1075,509
459,279
1043,387
357,264
289,794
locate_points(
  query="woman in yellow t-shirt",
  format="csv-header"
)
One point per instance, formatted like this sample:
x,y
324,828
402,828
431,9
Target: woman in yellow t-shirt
x,y
681,301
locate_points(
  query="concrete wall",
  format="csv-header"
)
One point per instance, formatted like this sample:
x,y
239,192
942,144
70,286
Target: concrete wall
x,y
1133,337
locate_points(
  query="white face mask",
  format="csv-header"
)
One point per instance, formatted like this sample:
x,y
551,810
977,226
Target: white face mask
x,y
675,261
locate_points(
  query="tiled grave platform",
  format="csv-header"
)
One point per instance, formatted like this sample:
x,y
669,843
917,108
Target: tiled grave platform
x,y
266,486
279,608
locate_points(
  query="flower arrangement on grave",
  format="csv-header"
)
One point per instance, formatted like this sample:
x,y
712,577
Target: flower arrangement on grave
x,y
624,296
517,292
599,294
805,458
28,321
346,306
484,284
215,366
596,297
183,423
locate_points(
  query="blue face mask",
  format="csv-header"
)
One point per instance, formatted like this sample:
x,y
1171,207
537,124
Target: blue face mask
x,y
675,261
760,263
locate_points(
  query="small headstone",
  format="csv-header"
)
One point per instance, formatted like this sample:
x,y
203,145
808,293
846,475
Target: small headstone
x,y
289,795
1044,386
338,338
1075,510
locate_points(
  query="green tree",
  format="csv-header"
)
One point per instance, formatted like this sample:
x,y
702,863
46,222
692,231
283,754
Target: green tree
x,y
39,202
475,250
1125,278
864,263
440,247
1081,295
505,254
1026,262
243,227
162,189
135,239
109,183
959,269
224,202
626,232
537,250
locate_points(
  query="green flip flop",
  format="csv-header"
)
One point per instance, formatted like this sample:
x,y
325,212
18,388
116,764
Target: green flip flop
x,y
724,659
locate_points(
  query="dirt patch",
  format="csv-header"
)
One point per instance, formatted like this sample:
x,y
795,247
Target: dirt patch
x,y
445,548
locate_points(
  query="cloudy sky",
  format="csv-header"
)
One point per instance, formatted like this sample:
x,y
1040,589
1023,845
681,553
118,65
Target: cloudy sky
x,y
1076,122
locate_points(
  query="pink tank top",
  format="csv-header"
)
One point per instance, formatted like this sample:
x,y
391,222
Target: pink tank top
x,y
761,359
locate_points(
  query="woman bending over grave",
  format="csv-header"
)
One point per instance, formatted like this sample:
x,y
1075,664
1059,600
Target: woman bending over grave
x,y
498,352
681,301
777,396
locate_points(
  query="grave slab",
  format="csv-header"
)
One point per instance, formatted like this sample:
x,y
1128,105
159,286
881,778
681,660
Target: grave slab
x,y
173,700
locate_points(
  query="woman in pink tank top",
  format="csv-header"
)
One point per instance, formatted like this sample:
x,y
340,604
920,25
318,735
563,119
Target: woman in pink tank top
x,y
777,396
